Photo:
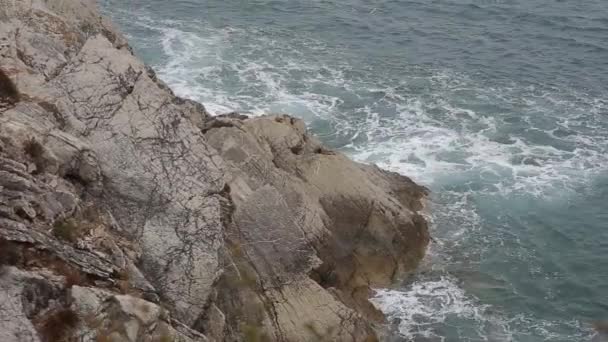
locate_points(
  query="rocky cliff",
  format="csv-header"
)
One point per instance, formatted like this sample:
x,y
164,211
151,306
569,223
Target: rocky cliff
x,y
130,214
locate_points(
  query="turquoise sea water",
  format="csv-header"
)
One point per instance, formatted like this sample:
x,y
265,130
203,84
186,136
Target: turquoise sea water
x,y
500,107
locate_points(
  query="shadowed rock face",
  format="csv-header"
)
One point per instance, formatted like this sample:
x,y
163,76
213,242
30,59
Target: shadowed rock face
x,y
8,92
146,219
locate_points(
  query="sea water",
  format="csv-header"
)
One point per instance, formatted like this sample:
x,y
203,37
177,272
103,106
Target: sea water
x,y
500,107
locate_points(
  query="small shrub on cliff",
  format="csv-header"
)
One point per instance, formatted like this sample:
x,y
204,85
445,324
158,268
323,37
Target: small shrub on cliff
x,y
166,338
66,230
36,152
102,337
252,333
71,275
8,91
9,255
88,29
123,282
57,325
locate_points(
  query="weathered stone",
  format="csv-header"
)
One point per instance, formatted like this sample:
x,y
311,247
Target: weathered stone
x,y
125,318
302,212
125,127
90,263
23,295
215,323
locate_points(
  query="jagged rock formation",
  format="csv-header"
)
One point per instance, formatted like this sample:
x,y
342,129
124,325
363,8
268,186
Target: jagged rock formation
x,y
129,214
315,229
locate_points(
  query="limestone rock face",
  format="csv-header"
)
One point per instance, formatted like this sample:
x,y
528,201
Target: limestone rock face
x,y
130,214
317,229
100,103
14,323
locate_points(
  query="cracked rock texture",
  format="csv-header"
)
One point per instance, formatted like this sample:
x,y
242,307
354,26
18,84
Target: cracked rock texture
x,y
130,214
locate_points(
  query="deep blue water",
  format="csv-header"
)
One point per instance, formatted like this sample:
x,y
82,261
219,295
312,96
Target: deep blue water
x,y
499,106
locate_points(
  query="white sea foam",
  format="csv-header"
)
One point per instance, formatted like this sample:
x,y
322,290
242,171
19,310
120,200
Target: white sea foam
x,y
200,66
419,145
427,309
426,305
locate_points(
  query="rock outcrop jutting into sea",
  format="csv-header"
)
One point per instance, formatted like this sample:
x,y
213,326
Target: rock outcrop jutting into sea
x,y
130,214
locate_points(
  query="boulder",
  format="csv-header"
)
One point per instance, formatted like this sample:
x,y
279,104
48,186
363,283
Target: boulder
x,y
317,230
124,318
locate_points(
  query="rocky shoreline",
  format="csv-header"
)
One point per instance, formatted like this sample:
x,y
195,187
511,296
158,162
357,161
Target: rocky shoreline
x,y
130,214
